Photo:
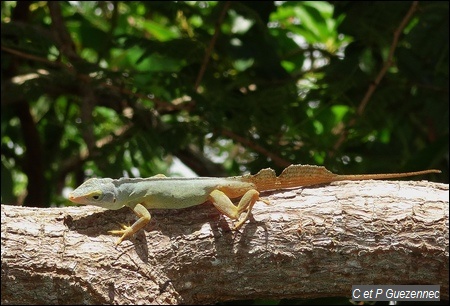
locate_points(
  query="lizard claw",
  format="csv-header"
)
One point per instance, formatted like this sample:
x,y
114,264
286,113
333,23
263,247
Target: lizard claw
x,y
264,200
124,229
125,232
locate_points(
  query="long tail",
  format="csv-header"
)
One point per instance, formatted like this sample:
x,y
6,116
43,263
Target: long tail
x,y
307,175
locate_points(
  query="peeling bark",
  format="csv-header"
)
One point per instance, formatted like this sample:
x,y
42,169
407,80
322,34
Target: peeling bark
x,y
308,243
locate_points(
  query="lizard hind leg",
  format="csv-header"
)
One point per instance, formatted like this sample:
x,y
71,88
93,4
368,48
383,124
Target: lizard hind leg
x,y
223,203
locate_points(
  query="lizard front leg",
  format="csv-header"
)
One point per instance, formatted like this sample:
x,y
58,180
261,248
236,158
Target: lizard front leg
x,y
223,203
127,231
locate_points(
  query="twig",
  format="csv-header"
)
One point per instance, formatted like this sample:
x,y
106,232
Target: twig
x,y
276,159
32,57
248,143
61,34
373,86
160,105
211,45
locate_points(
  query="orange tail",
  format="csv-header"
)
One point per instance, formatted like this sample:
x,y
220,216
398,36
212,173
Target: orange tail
x,y
307,175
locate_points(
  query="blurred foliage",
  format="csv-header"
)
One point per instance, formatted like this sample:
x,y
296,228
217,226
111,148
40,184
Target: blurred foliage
x,y
116,89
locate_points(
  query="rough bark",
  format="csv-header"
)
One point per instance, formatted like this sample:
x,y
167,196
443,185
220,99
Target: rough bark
x,y
308,243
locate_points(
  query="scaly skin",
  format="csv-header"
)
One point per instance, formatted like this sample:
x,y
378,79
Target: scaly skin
x,y
173,193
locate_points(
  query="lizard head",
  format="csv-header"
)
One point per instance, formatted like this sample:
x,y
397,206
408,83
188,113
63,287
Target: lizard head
x,y
96,191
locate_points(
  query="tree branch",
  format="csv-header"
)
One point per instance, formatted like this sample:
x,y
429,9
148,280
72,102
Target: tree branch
x,y
279,161
310,242
211,45
373,86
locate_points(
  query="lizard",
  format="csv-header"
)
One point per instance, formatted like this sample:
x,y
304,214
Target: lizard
x,y
163,192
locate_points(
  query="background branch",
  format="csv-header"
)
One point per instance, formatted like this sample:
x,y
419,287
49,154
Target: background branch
x,y
373,86
211,44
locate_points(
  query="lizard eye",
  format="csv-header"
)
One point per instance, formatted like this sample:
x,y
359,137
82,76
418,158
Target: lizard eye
x,y
96,196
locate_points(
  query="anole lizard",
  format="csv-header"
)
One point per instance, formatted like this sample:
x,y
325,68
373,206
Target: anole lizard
x,y
173,193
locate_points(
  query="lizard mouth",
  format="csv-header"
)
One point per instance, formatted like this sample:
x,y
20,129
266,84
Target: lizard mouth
x,y
78,200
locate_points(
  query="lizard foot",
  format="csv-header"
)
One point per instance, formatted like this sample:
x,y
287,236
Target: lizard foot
x,y
241,222
126,231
